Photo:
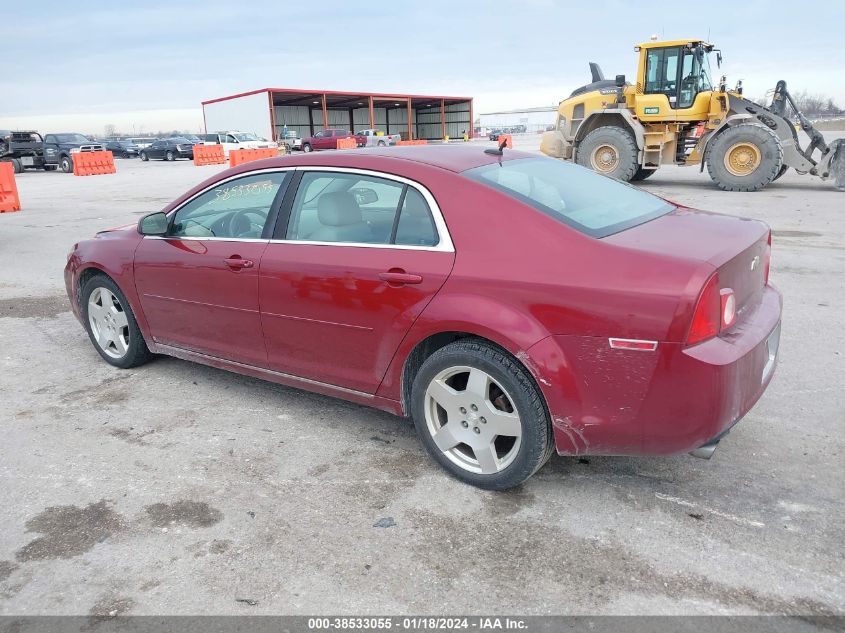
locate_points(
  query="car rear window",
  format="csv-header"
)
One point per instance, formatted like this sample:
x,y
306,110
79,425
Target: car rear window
x,y
588,202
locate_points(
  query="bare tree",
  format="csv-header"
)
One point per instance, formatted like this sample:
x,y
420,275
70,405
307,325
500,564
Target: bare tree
x,y
109,130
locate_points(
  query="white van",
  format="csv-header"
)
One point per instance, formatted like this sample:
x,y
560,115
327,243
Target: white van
x,y
236,140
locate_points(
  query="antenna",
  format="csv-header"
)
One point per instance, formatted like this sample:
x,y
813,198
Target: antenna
x,y
499,151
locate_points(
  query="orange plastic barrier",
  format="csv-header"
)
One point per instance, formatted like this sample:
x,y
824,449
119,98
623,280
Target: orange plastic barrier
x,y
347,143
415,142
241,156
209,155
505,137
93,163
9,200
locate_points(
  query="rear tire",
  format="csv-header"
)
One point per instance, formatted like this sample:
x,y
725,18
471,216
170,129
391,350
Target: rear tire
x,y
642,173
66,164
381,143
111,324
610,151
170,157
462,396
144,156
17,165
745,157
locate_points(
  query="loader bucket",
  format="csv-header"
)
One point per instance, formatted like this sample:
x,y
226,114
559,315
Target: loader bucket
x,y
837,163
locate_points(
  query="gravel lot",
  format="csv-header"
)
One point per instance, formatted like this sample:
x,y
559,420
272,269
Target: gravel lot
x,y
179,489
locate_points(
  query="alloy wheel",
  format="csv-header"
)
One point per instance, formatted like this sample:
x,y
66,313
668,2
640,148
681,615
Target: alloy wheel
x,y
108,322
472,420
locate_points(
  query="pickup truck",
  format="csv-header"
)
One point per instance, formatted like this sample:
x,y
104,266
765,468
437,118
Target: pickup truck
x,y
60,148
377,138
25,150
233,139
327,139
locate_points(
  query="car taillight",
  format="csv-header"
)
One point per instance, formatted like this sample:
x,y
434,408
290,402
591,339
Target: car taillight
x,y
707,317
767,260
715,311
728,305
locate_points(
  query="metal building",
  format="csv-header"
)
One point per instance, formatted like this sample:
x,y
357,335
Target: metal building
x,y
267,111
533,119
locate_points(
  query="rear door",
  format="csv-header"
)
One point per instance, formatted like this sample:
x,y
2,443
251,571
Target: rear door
x,y
349,270
199,284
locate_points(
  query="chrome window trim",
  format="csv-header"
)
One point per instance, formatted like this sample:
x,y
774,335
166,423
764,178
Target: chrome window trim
x,y
191,238
444,244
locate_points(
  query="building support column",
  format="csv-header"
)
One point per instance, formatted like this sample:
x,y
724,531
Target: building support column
x,y
372,114
272,117
443,118
325,113
410,124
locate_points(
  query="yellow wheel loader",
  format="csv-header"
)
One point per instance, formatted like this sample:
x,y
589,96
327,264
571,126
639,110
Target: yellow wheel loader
x,y
673,114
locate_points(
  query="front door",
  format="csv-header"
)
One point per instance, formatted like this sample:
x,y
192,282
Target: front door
x,y
198,285
358,261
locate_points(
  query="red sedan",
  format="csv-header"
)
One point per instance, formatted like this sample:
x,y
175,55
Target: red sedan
x,y
511,304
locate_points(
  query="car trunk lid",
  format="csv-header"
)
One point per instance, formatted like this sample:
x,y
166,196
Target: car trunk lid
x,y
735,247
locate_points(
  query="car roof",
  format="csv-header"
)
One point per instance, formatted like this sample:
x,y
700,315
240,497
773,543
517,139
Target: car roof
x,y
454,157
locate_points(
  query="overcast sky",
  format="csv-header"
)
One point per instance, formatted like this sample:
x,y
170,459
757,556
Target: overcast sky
x,y
144,66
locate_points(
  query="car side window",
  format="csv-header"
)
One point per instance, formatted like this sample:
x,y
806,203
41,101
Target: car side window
x,y
235,209
416,225
50,139
318,135
231,139
341,207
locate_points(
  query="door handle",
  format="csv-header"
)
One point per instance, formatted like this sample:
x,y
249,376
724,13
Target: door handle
x,y
399,277
237,263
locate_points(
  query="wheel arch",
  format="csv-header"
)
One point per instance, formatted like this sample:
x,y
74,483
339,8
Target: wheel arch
x,y
619,118
428,345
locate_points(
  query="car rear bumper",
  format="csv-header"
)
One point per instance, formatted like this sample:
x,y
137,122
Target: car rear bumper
x,y
671,400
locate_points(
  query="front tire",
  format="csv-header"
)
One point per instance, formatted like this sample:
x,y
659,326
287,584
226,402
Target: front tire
x,y
66,164
744,157
611,151
480,415
306,147
111,324
170,157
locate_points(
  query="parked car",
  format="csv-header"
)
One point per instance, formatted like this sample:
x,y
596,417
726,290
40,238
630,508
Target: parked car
x,y
141,142
23,149
377,138
237,140
614,323
169,149
122,148
493,135
60,148
327,139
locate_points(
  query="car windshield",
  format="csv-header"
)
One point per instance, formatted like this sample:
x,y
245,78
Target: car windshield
x,y
178,139
73,138
246,136
589,202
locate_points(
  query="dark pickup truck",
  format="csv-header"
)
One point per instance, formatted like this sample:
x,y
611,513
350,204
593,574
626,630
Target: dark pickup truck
x,y
60,148
24,149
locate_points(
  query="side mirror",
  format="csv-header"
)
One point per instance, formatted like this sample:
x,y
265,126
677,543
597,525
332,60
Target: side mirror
x,y
153,224
364,195
620,81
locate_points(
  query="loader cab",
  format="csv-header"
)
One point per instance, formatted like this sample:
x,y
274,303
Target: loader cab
x,y
674,81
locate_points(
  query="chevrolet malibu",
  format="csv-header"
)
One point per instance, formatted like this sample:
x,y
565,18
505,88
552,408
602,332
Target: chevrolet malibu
x,y
512,305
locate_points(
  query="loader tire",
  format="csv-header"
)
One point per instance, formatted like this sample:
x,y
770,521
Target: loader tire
x,y
642,174
610,151
745,157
